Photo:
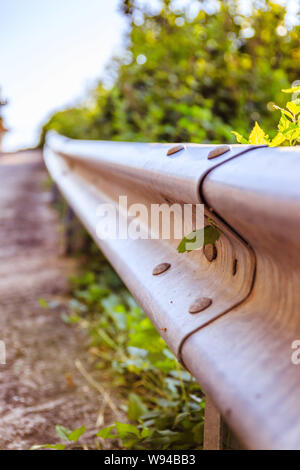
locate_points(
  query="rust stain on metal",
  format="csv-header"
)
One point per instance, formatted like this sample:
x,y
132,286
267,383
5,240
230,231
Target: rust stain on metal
x,y
216,152
160,268
234,267
200,304
175,149
210,252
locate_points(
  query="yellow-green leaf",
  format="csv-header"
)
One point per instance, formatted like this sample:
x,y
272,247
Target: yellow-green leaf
x,y
106,433
284,123
293,133
43,303
284,111
125,430
136,407
278,140
295,89
294,107
258,136
76,434
240,139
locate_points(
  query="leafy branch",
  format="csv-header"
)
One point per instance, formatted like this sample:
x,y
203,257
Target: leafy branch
x,y
288,127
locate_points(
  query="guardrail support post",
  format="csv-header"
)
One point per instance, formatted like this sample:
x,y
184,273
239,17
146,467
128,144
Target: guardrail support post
x,y
213,427
69,229
54,194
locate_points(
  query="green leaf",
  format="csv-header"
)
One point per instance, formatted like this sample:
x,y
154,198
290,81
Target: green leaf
x,y
70,318
43,303
146,433
76,434
49,446
198,431
258,136
180,417
106,433
136,407
124,430
295,89
63,432
240,139
210,236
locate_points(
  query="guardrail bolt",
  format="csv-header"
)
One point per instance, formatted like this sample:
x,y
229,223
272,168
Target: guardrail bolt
x,y
216,152
210,252
200,304
175,149
160,268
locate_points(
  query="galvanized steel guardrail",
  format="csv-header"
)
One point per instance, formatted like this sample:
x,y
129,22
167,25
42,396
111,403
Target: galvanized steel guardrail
x,y
239,347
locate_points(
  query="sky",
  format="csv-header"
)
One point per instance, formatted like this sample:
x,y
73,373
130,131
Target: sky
x,y
51,52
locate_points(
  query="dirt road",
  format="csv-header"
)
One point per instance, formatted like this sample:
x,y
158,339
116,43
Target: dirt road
x,y
39,384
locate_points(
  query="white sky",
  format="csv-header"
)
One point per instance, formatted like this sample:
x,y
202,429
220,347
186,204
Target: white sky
x,y
51,51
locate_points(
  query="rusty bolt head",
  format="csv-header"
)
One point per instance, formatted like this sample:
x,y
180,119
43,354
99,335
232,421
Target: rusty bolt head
x,y
216,152
200,304
210,252
160,268
175,149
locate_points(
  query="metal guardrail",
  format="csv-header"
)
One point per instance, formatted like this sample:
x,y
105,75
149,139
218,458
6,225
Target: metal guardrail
x,y
239,348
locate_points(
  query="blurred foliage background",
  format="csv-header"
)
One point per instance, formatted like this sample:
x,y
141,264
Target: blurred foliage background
x,y
190,73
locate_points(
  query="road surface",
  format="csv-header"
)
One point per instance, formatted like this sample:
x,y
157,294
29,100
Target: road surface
x,y
39,384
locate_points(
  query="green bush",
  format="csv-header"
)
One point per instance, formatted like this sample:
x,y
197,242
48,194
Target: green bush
x,y
288,128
